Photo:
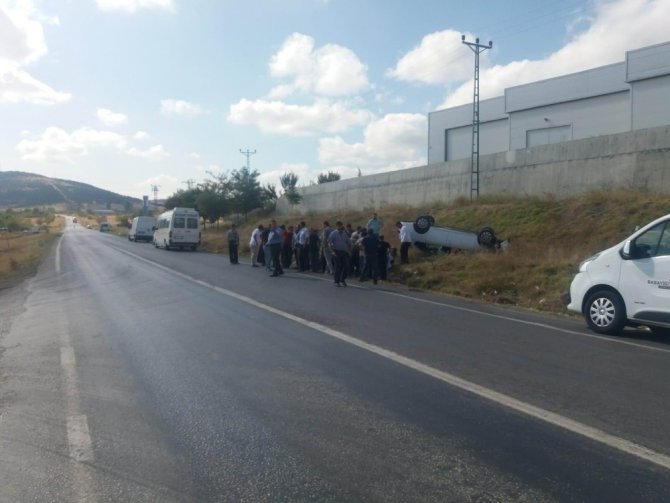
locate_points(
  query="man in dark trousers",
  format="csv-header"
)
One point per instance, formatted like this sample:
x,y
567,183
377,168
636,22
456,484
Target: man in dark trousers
x,y
274,246
233,244
340,246
287,247
370,245
405,241
382,257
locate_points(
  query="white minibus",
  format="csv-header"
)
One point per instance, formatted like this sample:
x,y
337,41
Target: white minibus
x,y
142,229
178,228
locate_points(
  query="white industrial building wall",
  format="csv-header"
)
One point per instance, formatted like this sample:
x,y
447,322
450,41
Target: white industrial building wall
x,y
651,102
631,95
492,139
454,126
584,118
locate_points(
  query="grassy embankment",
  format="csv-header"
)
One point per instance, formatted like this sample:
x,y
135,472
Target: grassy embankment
x,y
21,253
549,238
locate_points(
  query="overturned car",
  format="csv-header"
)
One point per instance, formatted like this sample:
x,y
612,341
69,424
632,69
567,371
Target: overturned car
x,y
425,235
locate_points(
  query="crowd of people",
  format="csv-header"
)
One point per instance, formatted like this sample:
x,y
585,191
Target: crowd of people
x,y
340,251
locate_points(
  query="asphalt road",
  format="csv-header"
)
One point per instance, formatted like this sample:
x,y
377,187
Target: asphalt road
x,y
134,374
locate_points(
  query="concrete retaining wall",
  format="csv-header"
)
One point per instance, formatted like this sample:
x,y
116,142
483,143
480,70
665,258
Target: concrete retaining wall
x,y
635,159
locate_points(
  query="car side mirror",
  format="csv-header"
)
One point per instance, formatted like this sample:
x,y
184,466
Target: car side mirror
x,y
625,251
153,228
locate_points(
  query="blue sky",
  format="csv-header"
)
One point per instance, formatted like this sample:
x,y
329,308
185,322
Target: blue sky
x,y
123,94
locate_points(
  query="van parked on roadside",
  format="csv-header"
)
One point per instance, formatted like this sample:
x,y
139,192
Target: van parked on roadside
x,y
142,229
628,284
178,228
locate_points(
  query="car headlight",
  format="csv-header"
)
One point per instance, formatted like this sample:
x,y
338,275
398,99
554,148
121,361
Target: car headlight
x,y
585,263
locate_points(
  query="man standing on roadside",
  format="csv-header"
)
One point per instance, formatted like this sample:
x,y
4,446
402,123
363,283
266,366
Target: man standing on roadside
x,y
370,244
233,244
303,241
405,241
340,246
254,245
374,224
287,248
274,246
327,254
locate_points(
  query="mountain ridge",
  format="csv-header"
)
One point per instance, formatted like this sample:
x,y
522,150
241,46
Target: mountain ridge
x,y
21,189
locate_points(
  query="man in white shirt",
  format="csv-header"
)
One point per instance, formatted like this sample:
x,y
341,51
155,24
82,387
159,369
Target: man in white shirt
x,y
405,241
303,235
255,244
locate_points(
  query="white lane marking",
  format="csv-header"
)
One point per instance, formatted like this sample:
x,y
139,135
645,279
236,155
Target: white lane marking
x,y
78,437
67,360
526,322
538,324
563,422
58,254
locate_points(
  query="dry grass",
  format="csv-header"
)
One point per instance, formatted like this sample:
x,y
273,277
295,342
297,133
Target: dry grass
x,y
549,238
21,253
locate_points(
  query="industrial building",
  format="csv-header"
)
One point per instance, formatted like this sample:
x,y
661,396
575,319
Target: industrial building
x,y
598,129
623,97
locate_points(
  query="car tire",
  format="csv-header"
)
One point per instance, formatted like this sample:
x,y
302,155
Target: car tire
x,y
605,312
486,237
423,224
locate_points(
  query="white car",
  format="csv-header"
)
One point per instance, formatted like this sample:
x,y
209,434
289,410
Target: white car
x,y
628,284
425,234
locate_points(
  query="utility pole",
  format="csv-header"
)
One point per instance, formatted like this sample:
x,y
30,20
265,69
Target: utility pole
x,y
248,153
477,48
154,189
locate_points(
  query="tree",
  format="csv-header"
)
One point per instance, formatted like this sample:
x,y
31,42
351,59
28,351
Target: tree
x,y
246,190
270,195
331,176
289,181
218,199
183,198
212,202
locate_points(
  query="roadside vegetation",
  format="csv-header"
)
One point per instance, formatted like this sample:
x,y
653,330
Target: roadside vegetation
x,y
25,238
548,239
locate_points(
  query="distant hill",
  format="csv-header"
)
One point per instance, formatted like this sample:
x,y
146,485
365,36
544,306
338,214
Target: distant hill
x,y
19,189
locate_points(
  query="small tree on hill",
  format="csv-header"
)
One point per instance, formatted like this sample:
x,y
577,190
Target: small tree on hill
x,y
289,181
270,195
